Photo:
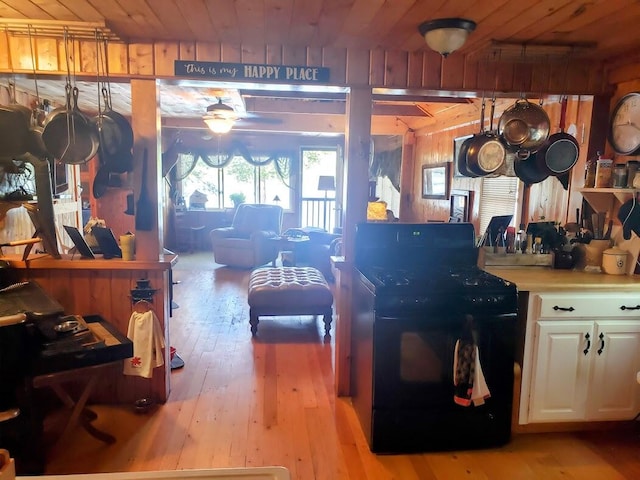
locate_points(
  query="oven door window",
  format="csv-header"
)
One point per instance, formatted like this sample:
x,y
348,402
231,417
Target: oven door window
x,y
413,358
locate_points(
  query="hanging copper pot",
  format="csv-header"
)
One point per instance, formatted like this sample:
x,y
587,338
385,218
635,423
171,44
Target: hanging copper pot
x,y
524,126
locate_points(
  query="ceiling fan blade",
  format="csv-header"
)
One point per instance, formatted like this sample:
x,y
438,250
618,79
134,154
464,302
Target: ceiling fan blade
x,y
259,119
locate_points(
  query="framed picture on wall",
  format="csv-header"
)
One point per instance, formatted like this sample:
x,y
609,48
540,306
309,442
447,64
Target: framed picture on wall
x,y
459,205
435,181
457,143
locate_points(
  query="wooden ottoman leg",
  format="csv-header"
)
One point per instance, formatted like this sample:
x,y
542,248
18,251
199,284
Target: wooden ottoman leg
x,y
328,316
253,321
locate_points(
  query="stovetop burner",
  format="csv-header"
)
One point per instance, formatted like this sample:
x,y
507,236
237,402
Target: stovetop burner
x,y
440,279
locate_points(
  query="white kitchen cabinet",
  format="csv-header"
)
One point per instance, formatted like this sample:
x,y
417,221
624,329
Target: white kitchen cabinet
x,y
582,355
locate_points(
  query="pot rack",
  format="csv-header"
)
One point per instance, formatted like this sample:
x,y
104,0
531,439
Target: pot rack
x,y
58,29
535,52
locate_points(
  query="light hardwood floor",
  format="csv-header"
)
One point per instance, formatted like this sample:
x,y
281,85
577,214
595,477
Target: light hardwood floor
x,y
241,402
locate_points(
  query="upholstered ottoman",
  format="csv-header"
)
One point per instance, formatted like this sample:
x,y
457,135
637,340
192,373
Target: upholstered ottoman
x,y
275,291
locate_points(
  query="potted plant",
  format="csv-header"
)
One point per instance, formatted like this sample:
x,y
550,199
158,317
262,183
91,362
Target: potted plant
x,y
237,198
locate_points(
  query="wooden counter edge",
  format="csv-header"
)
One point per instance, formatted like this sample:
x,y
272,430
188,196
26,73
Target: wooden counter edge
x,y
539,279
165,262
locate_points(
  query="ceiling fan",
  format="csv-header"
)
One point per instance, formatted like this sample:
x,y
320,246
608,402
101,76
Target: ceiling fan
x,y
220,118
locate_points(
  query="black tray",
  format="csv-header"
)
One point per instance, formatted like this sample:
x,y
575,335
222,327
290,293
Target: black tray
x,y
52,358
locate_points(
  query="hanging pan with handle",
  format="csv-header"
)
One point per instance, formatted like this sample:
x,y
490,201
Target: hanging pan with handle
x,y
464,148
15,120
524,127
68,134
116,138
561,151
486,153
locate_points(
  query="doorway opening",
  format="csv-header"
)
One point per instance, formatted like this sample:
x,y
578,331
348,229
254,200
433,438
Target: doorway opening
x,y
318,194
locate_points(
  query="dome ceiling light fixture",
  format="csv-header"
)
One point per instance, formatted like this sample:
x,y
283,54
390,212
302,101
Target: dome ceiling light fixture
x,y
446,35
220,118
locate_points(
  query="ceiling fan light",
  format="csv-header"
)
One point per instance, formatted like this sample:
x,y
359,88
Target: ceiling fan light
x,y
219,124
446,35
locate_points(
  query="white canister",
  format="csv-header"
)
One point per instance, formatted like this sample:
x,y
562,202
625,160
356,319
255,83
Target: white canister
x,y
614,261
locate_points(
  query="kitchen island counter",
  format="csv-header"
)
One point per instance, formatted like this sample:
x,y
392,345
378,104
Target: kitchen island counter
x,y
540,279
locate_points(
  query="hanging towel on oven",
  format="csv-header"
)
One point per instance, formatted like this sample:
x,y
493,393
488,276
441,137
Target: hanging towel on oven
x,y
468,378
464,364
480,390
148,341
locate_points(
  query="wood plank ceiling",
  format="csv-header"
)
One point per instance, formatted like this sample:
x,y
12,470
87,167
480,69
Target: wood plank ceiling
x,y
598,31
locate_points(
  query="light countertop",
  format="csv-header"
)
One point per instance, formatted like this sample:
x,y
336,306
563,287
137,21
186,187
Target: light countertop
x,y
541,279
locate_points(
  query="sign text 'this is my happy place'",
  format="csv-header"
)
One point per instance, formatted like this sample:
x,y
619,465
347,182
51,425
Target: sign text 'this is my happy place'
x,y
250,71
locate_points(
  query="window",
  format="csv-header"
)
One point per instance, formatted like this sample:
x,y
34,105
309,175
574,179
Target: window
x,y
498,196
221,179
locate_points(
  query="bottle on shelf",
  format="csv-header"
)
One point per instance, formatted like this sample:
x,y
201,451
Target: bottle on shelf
x,y
590,172
604,169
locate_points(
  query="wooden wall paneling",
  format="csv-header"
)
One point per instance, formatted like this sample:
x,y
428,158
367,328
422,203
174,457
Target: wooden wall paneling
x,y
432,70
274,54
141,61
5,59
294,55
453,72
540,78
231,53
20,53
395,69
376,67
471,72
414,69
164,54
88,56
46,51
254,54
522,78
558,76
314,56
118,55
336,60
187,51
208,52
358,67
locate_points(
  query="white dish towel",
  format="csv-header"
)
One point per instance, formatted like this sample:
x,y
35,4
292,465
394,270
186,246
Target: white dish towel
x,y
148,341
480,390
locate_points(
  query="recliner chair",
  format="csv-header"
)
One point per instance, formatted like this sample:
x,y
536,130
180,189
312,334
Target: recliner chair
x,y
251,240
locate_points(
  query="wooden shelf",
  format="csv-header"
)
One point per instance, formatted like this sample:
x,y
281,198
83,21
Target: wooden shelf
x,y
603,199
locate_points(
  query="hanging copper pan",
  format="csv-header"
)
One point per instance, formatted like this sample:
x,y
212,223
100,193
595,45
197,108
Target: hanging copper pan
x,y
524,127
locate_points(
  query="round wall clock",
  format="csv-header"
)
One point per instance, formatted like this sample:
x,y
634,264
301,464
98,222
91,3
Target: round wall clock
x,y
624,128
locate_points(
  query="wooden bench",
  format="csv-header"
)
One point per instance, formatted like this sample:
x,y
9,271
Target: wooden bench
x,y
283,291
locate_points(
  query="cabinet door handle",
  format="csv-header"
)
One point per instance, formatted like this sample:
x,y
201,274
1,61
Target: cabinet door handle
x,y
601,337
588,339
623,307
569,309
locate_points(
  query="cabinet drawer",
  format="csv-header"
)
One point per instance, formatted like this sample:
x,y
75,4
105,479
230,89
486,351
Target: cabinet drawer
x,y
587,305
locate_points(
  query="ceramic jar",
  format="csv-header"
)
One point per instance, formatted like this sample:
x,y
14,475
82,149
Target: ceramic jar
x,y
614,261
